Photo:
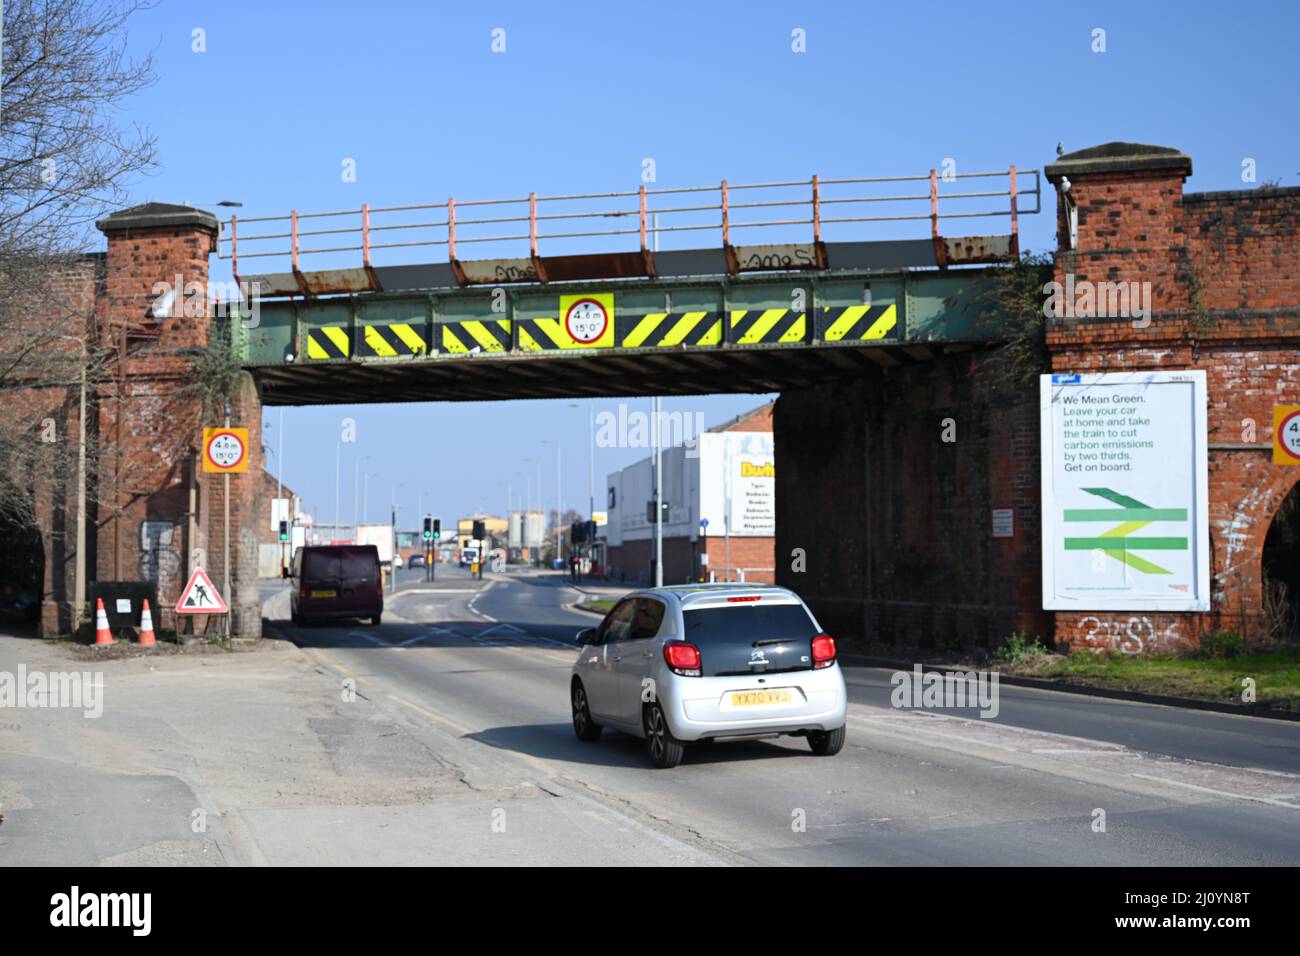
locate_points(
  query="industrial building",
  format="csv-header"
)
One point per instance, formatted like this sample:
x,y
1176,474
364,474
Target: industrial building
x,y
719,523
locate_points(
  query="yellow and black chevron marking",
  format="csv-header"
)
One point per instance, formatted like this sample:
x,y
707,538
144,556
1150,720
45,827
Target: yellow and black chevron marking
x,y
857,323
667,329
461,337
329,342
545,335
767,326
388,341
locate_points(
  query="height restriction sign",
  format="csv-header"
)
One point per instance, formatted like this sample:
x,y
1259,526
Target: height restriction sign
x,y
225,450
1286,434
588,319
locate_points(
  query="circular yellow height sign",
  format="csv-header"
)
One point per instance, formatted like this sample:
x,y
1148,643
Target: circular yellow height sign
x,y
225,450
1286,434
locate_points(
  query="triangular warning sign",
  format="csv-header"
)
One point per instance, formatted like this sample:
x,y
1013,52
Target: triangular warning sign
x,y
200,596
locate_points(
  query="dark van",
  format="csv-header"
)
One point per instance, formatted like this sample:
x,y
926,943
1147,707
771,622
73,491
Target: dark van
x,y
337,580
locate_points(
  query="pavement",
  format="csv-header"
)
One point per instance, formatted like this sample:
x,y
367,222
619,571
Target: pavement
x,y
443,737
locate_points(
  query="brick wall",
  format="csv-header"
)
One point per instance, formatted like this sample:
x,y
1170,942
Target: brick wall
x,y
64,304
1224,270
147,421
147,418
901,549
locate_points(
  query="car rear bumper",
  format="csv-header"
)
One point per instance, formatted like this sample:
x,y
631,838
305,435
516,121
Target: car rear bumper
x,y
703,706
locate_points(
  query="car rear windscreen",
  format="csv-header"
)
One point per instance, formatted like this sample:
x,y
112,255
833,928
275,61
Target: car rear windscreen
x,y
747,623
751,638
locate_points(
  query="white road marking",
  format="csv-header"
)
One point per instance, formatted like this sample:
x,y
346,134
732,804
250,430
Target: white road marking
x,y
1272,801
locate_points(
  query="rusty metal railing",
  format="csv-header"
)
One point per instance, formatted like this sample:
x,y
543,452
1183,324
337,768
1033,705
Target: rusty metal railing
x,y
644,210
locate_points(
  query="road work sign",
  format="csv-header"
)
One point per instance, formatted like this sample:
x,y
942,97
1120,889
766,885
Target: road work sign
x,y
225,450
1286,434
1125,492
200,596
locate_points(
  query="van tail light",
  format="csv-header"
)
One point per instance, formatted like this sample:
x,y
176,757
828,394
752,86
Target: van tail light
x,y
682,658
302,589
823,651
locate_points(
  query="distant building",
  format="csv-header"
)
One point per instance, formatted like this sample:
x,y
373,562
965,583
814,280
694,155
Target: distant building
x,y
270,551
702,538
497,529
526,534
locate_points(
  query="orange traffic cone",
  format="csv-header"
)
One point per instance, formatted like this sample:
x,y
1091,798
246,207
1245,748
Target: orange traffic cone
x,y
102,634
146,626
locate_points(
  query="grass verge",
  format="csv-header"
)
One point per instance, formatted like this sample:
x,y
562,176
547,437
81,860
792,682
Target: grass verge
x,y
1276,675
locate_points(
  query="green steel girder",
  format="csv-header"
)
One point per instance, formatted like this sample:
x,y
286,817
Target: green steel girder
x,y
932,311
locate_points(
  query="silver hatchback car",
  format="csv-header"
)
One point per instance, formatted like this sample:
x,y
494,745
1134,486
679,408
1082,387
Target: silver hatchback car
x,y
706,662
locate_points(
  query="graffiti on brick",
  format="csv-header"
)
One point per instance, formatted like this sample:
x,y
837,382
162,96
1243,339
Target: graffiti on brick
x,y
1132,635
158,558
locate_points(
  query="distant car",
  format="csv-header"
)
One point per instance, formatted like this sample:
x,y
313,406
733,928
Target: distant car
x,y
336,581
699,663
417,561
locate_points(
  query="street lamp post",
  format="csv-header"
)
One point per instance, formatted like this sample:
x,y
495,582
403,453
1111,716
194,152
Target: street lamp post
x,y
338,450
358,519
559,498
659,497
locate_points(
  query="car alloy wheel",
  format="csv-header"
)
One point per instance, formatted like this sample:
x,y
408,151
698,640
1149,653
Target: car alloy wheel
x,y
665,749
583,726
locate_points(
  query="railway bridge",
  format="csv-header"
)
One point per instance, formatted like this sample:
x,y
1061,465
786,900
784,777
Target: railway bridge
x,y
878,308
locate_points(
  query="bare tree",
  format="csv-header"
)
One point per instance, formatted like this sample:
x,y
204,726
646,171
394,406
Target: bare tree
x,y
65,160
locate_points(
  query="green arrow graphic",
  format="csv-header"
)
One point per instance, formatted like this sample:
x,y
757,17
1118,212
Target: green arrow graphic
x,y
1118,542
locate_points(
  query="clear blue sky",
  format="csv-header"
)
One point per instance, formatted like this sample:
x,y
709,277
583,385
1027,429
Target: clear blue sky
x,y
586,91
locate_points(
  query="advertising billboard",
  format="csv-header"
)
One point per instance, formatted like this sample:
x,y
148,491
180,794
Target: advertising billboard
x,y
1125,491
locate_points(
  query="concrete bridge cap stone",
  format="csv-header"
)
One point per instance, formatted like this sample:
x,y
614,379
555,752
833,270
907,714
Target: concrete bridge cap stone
x,y
157,215
1119,157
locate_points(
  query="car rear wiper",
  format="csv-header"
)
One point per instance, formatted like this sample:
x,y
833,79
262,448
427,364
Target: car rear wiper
x,y
775,640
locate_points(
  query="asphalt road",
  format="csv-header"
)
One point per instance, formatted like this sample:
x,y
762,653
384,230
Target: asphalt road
x,y
482,669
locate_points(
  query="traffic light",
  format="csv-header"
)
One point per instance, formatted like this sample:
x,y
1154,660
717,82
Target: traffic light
x,y
428,528
650,512
578,532
437,528
480,531
284,531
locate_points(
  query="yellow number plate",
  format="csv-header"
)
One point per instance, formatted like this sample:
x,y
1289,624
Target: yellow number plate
x,y
324,594
756,698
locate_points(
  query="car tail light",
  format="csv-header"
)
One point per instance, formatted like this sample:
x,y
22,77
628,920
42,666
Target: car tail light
x,y
823,651
682,658
738,600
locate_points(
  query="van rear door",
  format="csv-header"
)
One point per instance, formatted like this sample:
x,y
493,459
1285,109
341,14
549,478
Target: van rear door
x,y
321,581
359,580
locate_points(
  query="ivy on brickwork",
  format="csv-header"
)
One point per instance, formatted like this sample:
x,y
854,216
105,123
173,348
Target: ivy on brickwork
x,y
217,372
1016,296
1190,276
